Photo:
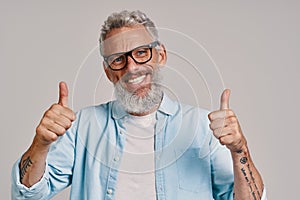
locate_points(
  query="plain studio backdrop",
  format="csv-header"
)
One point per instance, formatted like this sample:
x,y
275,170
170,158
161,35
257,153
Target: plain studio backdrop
x,y
252,46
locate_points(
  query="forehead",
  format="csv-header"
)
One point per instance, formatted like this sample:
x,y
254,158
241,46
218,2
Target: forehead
x,y
125,39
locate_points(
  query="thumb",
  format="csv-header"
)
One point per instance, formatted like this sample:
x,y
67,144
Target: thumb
x,y
63,94
225,99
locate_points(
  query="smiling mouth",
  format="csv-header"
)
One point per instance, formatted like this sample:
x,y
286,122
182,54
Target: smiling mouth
x,y
137,80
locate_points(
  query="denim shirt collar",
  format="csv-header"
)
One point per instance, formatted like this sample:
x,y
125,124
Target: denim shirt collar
x,y
167,107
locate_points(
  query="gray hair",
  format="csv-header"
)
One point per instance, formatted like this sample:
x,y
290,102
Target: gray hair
x,y
126,18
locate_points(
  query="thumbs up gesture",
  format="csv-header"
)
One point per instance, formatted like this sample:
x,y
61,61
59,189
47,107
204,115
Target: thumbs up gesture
x,y
56,120
225,125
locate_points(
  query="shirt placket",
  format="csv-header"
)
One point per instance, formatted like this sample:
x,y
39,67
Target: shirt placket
x,y
115,161
159,172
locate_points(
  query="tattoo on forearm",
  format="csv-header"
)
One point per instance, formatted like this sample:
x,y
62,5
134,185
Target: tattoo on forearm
x,y
247,179
243,160
250,180
253,180
244,172
25,164
254,197
240,151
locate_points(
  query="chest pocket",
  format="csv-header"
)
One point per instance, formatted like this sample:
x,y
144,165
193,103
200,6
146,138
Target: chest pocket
x,y
194,172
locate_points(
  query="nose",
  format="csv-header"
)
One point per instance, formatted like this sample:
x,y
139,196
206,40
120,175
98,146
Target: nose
x,y
131,64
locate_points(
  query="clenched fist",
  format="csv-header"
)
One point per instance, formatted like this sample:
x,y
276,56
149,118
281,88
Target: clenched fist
x,y
226,127
56,120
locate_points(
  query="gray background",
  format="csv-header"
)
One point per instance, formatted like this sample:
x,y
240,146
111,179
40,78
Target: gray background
x,y
255,45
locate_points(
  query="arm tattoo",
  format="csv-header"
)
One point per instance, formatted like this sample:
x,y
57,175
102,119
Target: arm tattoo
x,y
240,151
243,160
25,164
254,197
253,180
247,179
250,180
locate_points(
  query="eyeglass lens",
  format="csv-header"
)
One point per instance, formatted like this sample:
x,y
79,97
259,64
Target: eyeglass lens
x,y
139,55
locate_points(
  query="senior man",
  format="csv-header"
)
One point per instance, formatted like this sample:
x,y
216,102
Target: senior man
x,y
143,145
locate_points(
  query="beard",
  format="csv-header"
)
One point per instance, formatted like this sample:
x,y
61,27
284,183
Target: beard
x,y
131,101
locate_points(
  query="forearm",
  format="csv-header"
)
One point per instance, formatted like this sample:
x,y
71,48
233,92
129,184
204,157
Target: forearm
x,y
248,183
54,123
33,163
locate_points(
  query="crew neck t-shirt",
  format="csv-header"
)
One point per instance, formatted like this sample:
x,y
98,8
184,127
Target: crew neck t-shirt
x,y
136,177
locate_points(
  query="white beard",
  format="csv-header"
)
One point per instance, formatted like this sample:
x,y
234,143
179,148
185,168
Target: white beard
x,y
133,103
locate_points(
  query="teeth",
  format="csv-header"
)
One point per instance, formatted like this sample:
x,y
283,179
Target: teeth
x,y
137,79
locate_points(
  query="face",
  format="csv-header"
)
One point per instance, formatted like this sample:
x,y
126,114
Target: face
x,y
135,78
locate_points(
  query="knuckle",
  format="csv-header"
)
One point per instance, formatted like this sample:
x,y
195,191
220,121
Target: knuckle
x,y
73,116
68,113
39,129
55,107
44,122
52,137
213,114
45,136
48,113
69,124
61,131
232,119
222,140
230,112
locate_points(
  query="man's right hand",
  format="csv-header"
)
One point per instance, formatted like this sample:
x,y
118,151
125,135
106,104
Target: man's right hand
x,y
56,120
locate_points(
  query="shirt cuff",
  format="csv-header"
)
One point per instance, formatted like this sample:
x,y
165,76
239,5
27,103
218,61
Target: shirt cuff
x,y
36,191
264,195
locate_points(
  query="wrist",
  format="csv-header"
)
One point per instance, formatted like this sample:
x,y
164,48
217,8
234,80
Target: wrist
x,y
39,146
242,151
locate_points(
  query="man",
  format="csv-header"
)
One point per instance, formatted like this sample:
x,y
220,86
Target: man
x,y
141,146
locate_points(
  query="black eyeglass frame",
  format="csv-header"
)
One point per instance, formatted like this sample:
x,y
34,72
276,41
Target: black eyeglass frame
x,y
129,53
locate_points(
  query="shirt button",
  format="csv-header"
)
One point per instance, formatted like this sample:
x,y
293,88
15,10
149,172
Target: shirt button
x,y
116,158
160,188
109,191
121,133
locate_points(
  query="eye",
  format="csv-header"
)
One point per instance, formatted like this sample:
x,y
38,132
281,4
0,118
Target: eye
x,y
141,52
116,60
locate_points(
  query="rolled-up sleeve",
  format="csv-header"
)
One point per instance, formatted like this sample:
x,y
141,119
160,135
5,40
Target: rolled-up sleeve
x,y
57,175
37,191
264,195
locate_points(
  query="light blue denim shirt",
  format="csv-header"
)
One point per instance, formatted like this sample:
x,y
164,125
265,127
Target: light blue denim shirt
x,y
190,163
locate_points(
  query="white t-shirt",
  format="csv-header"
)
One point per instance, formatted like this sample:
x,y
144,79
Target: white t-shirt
x,y
136,177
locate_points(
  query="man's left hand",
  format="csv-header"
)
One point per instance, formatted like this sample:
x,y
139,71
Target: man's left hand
x,y
225,125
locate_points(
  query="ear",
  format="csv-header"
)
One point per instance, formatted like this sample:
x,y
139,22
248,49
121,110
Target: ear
x,y
107,72
162,55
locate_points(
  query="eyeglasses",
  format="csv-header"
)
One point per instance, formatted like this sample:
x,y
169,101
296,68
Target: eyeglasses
x,y
140,55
